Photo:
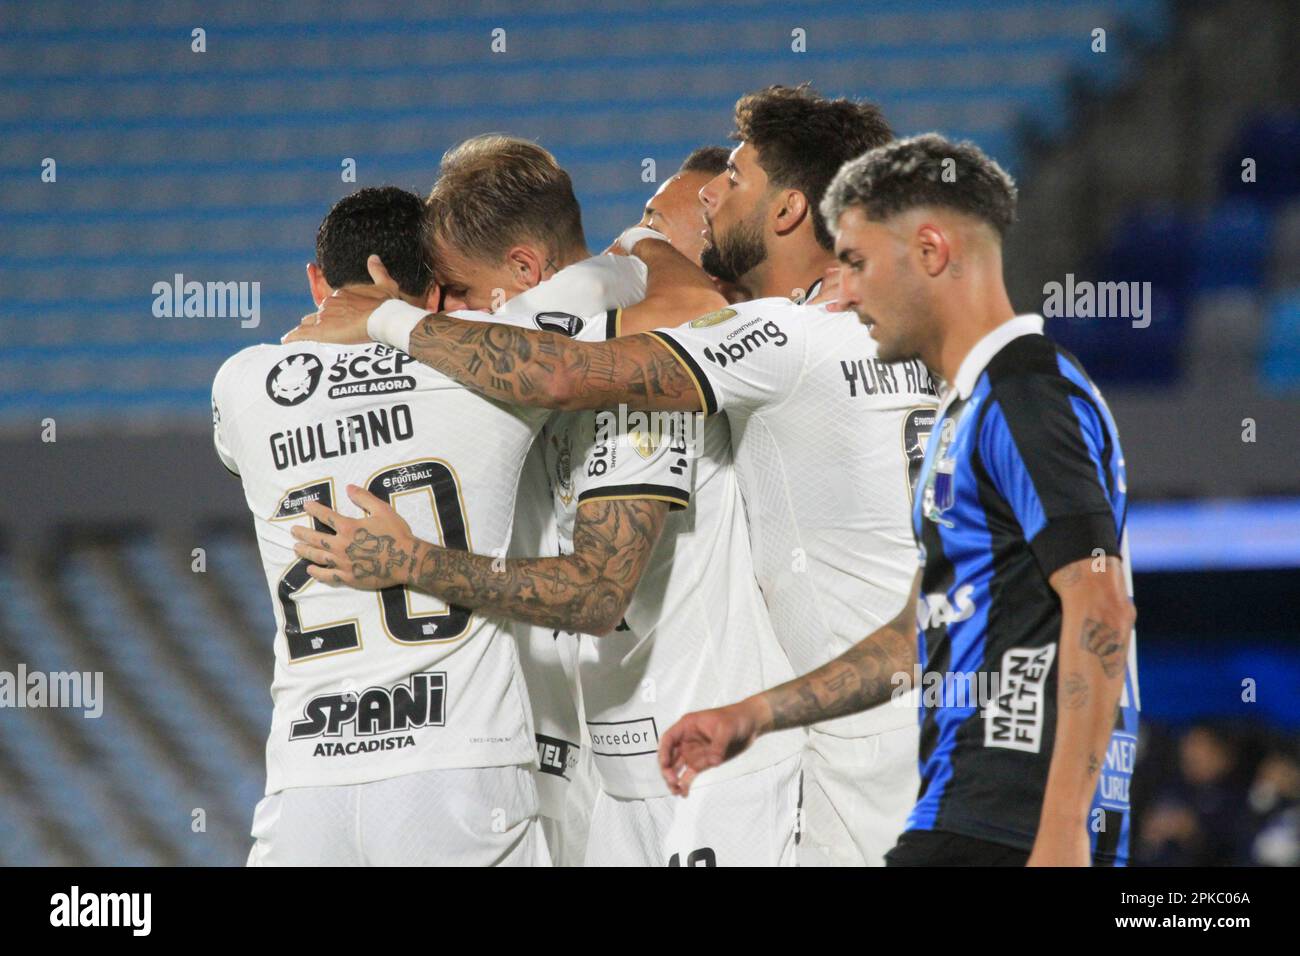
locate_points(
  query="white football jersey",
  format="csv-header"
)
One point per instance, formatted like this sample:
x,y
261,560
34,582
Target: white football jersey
x,y
696,634
376,685
828,441
594,288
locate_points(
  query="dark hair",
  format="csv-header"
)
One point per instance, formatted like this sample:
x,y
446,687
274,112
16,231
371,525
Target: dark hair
x,y
803,139
494,190
706,159
926,170
383,220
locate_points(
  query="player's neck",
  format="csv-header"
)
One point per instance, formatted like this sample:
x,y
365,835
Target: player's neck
x,y
789,272
579,254
966,320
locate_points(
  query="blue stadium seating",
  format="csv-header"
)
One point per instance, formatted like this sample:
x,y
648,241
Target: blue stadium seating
x,y
1231,246
1273,141
1281,368
218,166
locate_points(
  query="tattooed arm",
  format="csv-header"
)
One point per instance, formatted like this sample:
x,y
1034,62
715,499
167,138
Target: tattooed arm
x,y
587,591
866,675
677,290
523,367
513,365
1096,625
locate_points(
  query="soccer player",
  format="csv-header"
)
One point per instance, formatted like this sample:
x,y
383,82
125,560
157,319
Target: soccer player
x,y
654,570
676,212
826,434
1024,585
400,732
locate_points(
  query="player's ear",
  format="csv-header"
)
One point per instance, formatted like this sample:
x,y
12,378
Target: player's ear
x,y
528,266
791,210
433,298
320,289
932,248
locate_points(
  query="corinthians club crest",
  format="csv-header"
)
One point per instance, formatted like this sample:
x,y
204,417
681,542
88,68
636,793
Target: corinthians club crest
x,y
293,380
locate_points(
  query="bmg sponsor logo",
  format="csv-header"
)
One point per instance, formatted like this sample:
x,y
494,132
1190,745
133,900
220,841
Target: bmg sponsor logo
x,y
741,342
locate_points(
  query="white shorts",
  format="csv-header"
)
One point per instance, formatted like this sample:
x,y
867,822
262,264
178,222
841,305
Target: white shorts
x,y
857,794
745,821
479,817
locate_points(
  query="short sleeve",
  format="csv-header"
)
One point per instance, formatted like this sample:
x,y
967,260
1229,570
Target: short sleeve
x,y
741,357
591,286
595,327
1043,446
221,439
638,455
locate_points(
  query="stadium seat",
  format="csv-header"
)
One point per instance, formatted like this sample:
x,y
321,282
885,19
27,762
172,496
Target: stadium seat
x,y
1281,360
1231,246
1273,141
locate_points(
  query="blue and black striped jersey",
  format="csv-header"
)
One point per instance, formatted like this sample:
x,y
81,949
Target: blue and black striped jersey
x,y
1023,474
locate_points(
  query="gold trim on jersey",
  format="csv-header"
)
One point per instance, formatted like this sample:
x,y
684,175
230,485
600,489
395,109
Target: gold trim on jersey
x,y
469,541
699,389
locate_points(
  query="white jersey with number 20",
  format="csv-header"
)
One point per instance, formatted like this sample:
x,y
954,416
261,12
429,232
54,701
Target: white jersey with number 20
x,y
371,685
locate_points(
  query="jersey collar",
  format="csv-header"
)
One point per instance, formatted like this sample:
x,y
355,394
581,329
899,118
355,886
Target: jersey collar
x,y
978,358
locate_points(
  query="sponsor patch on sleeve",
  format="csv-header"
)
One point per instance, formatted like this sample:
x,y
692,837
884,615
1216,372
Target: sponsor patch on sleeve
x,y
713,318
565,323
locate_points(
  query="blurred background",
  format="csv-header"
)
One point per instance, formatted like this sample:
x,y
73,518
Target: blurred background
x,y
1164,149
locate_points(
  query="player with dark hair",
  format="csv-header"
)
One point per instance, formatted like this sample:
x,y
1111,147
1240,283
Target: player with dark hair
x,y
706,159
364,222
676,211
400,731
1019,517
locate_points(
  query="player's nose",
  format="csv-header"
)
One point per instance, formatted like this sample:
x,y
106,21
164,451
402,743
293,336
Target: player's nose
x,y
709,194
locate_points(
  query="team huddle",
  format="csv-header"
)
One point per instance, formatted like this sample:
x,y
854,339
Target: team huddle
x,y
654,557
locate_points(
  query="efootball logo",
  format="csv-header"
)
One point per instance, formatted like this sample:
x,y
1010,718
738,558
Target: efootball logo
x,y
293,380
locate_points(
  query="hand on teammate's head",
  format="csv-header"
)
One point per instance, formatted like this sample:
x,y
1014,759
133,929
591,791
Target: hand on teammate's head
x,y
342,316
831,287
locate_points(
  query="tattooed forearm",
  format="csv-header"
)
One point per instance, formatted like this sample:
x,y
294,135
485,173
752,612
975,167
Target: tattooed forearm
x,y
524,367
861,678
1107,643
587,591
1074,690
